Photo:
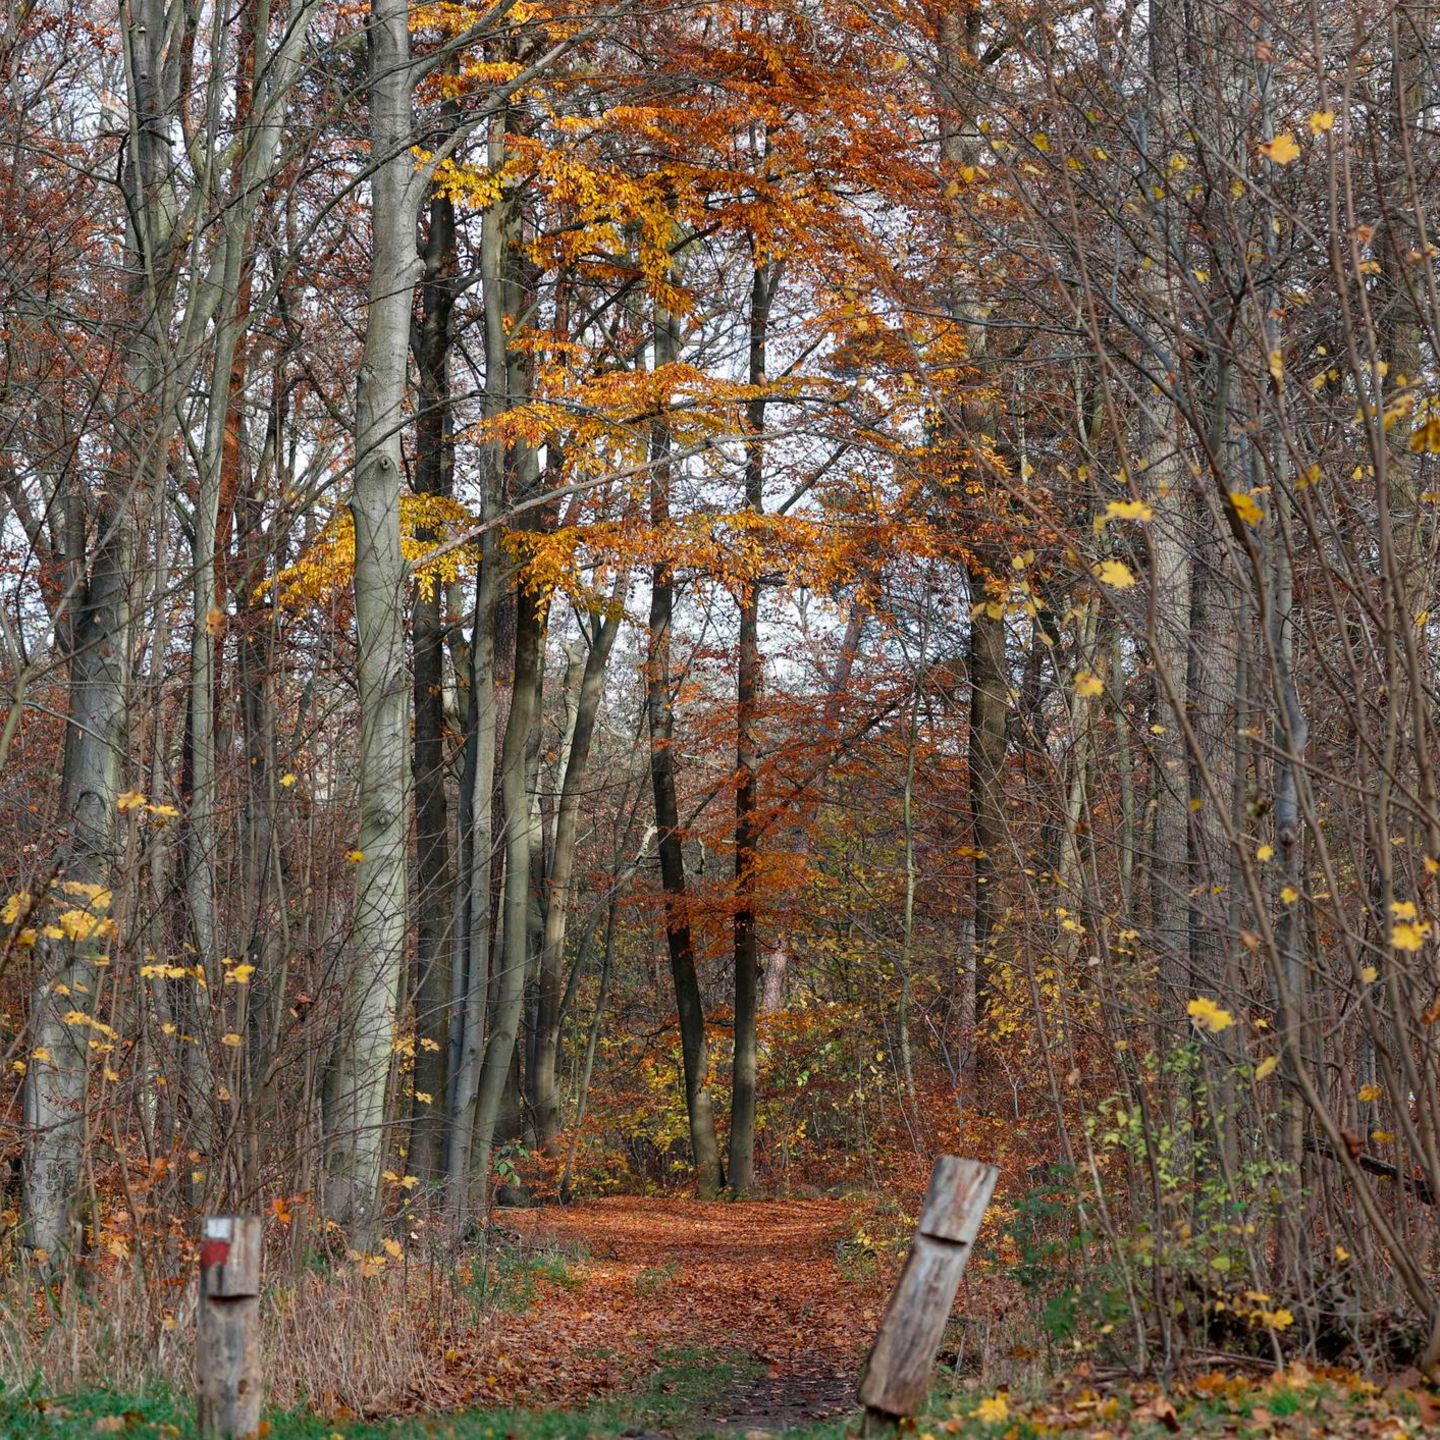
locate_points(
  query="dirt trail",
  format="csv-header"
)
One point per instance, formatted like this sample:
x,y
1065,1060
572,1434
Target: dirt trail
x,y
654,1276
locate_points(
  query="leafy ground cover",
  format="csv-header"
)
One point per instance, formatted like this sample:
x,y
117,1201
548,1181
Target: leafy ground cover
x,y
654,1319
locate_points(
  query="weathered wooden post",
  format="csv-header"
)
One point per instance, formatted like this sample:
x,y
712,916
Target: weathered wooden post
x,y
227,1340
896,1377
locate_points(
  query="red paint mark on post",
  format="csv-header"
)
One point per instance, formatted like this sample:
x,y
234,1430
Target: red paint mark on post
x,y
214,1252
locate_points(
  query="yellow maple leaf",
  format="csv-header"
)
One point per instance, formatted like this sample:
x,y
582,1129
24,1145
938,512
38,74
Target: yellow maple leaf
x,y
1245,507
392,1248
1088,684
1266,1068
1123,510
129,800
1321,121
1408,935
993,1410
1265,852
1281,150
1370,1092
1207,1015
287,780
1289,894
1425,439
354,856
1114,573
231,1039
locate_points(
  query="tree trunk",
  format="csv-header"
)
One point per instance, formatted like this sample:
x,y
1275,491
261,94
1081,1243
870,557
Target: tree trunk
x,y
435,882
520,820
474,958
545,1079
361,1068
749,674
959,40
659,703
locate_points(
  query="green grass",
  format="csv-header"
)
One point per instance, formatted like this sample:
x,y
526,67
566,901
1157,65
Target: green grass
x,y
686,1384
689,1384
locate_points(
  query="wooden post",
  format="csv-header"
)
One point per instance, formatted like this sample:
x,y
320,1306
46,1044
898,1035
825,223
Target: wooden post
x,y
896,1377
227,1340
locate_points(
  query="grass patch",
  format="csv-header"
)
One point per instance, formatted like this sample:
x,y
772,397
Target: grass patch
x,y
510,1280
677,1394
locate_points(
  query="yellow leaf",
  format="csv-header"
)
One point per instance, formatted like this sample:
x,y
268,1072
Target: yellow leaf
x,y
424,1097
392,1248
40,1053
1381,1137
1129,510
993,1410
1289,894
1266,1068
1114,573
1245,507
230,1038
1265,852
241,974
1321,121
1281,150
130,800
1087,684
1405,935
1425,439
1403,909
409,1182
1370,1092
1207,1015
287,780
354,856
1341,1253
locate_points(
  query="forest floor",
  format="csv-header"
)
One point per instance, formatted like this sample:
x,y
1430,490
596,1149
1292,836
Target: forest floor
x,y
667,1319
766,1285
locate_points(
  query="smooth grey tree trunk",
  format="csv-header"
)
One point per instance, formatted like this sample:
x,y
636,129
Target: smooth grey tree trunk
x,y
545,1079
520,820
361,1066
659,705
97,629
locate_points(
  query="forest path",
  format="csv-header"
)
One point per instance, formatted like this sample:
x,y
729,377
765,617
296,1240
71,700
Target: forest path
x,y
654,1279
